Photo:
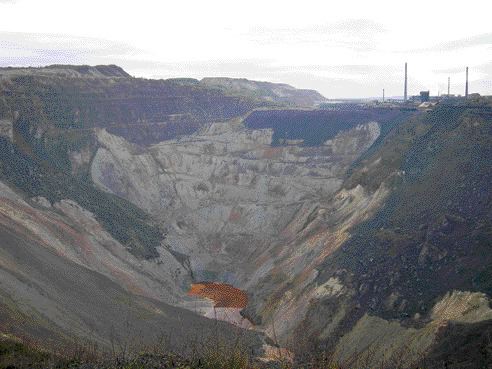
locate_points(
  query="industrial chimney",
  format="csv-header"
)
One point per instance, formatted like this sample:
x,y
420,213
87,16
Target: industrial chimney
x,y
405,92
449,84
466,85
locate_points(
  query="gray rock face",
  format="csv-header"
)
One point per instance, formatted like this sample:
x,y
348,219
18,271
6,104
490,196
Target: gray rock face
x,y
6,129
225,193
41,201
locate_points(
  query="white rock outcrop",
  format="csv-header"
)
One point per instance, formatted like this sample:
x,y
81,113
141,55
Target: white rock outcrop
x,y
225,191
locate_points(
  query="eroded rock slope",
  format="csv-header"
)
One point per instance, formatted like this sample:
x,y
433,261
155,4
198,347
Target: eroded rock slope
x,y
225,193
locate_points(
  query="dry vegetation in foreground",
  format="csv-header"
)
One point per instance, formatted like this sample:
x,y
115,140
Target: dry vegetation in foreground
x,y
18,354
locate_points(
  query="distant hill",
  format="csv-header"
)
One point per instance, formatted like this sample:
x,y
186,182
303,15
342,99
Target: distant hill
x,y
278,93
74,71
274,92
145,111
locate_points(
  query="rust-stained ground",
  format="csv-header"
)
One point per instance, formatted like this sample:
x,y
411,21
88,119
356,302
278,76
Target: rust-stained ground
x,y
222,294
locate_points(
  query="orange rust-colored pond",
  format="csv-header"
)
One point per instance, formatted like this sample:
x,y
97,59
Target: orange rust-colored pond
x,y
222,294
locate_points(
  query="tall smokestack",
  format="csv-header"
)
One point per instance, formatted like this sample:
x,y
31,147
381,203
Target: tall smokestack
x,y
449,84
466,85
383,94
405,93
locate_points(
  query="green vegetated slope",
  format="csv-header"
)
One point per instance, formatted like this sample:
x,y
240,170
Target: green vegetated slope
x,y
433,234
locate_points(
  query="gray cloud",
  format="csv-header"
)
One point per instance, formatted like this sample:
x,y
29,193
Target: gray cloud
x,y
485,68
356,34
332,81
335,87
256,68
249,68
484,39
358,79
452,70
354,69
350,26
359,25
36,49
477,40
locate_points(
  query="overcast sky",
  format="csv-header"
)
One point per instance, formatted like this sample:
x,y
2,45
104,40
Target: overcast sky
x,y
341,48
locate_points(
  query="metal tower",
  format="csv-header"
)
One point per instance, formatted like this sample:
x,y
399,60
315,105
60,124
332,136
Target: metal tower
x,y
405,96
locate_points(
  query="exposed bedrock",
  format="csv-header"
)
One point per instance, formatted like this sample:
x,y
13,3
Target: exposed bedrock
x,y
64,278
225,194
